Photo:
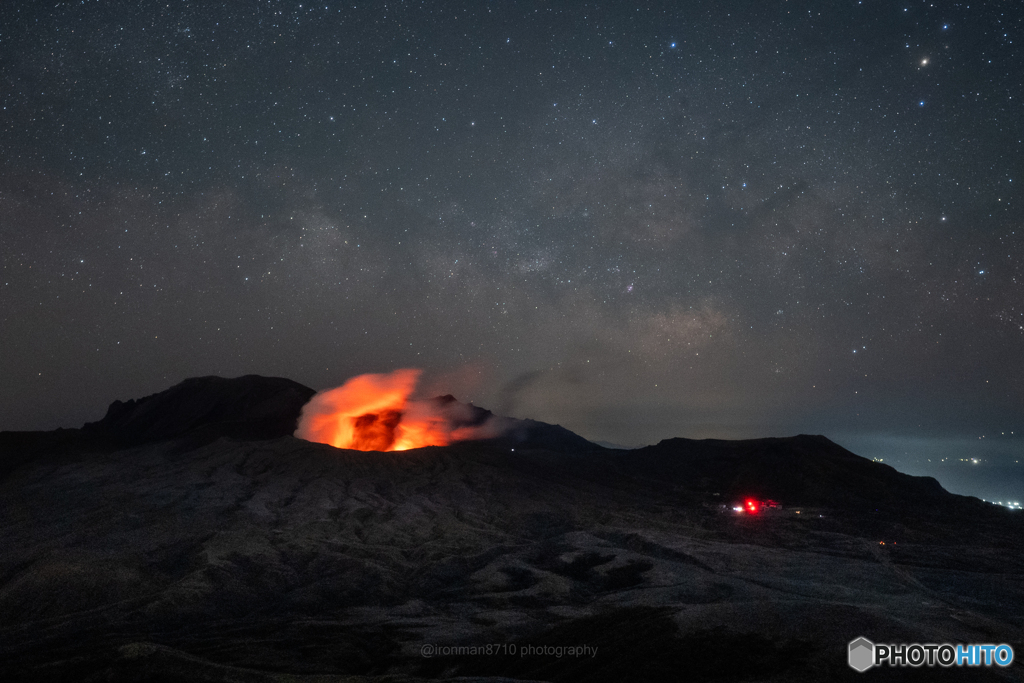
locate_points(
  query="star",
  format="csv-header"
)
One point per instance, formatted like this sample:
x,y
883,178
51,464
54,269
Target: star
x,y
711,198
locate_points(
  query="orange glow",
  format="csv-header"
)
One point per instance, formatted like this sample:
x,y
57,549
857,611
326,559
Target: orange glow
x,y
375,413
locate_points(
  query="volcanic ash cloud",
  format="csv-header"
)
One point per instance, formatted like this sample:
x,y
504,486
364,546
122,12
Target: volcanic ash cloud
x,y
373,412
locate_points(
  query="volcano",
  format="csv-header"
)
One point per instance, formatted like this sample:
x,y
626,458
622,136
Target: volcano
x,y
189,536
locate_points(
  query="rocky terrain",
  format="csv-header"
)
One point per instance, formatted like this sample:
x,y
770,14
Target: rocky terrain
x,y
188,537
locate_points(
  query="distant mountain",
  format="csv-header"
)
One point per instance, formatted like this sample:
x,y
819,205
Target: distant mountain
x,y
254,407
198,410
249,407
804,470
615,446
514,432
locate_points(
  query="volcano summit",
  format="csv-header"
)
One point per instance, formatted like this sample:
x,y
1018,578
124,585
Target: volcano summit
x,y
189,536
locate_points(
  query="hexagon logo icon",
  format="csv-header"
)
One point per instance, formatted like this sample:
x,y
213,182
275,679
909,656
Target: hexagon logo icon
x,y
861,654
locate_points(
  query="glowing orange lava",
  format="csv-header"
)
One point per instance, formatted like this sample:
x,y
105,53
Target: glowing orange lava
x,y
374,413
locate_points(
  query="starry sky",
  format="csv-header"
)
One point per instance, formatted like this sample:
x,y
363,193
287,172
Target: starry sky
x,y
702,219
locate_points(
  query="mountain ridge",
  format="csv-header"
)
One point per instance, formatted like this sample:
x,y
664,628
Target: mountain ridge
x,y
200,410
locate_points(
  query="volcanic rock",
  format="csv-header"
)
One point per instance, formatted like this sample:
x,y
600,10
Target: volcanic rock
x,y
248,558
249,407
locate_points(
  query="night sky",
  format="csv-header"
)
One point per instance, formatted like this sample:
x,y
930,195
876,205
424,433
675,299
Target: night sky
x,y
683,219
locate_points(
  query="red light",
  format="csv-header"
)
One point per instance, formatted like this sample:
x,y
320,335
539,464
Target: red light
x,y
751,505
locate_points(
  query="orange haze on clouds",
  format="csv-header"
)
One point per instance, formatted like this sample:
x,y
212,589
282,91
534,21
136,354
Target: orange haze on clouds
x,y
374,413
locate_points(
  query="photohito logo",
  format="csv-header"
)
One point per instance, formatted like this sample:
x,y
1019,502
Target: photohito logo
x,y
862,654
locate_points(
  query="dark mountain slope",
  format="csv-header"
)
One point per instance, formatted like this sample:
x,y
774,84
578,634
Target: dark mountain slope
x,y
206,552
249,407
199,410
802,470
516,433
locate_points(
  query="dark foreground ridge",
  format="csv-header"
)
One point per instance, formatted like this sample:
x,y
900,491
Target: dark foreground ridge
x,y
187,536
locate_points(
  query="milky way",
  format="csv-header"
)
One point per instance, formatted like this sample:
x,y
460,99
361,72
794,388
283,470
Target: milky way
x,y
688,219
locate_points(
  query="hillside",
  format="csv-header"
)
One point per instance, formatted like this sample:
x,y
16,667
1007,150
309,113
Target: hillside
x,y
150,554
